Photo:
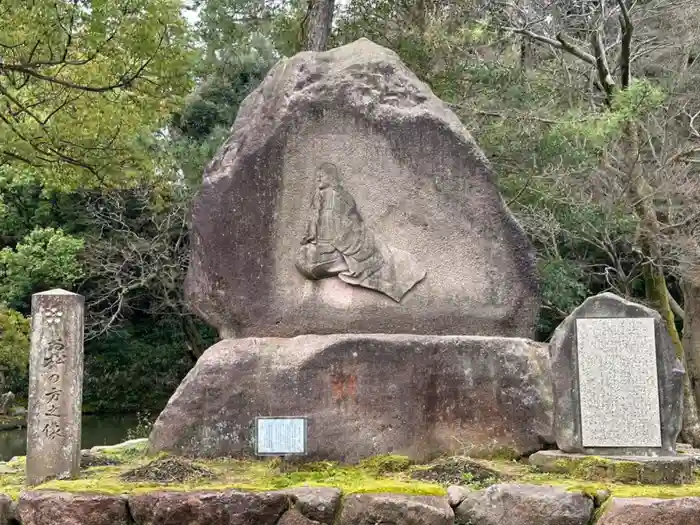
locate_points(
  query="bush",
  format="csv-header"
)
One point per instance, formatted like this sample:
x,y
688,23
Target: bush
x,y
14,350
136,368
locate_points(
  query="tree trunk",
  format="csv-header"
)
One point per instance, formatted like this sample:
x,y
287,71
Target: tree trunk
x,y
691,332
655,282
193,339
319,22
657,293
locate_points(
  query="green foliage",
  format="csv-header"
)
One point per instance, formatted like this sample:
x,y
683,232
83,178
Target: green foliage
x,y
564,287
46,258
14,345
232,26
640,99
82,82
135,368
204,122
143,426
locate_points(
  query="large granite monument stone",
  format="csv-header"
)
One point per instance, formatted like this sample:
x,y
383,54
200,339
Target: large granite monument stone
x,y
350,199
350,244
365,395
55,386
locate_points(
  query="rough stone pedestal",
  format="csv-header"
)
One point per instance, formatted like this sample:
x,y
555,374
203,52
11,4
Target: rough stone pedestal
x,y
365,395
55,386
662,470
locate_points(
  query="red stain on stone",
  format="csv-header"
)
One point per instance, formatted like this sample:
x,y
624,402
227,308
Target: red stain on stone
x,y
343,386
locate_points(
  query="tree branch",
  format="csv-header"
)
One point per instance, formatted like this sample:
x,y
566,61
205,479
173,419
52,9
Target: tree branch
x,y
125,81
677,310
561,42
601,63
626,45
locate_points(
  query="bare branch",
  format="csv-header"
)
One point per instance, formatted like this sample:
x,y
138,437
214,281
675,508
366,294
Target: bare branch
x,y
677,309
627,29
562,42
601,62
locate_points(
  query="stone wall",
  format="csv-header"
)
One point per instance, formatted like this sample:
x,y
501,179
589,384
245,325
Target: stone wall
x,y
503,504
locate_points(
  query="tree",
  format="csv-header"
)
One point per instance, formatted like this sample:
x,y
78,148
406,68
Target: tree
x,y
83,83
318,24
46,258
140,267
637,167
229,27
14,346
201,126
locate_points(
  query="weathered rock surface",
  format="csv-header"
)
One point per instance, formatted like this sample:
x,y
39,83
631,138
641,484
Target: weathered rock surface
x,y
365,395
408,235
60,508
456,495
370,509
511,504
208,508
316,503
294,517
648,511
6,401
647,470
565,378
5,509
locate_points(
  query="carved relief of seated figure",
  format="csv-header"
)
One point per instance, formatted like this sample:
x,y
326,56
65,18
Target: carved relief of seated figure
x,y
338,243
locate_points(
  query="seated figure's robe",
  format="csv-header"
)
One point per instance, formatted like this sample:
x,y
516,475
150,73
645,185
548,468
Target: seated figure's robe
x,y
338,243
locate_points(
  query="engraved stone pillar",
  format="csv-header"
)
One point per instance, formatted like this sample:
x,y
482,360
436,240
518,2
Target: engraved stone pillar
x,y
55,386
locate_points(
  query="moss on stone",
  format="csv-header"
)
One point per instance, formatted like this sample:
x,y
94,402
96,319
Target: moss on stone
x,y
596,468
392,474
602,509
617,489
386,463
263,475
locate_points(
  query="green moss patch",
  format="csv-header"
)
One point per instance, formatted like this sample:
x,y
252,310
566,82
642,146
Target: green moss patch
x,y
617,489
383,474
386,464
139,474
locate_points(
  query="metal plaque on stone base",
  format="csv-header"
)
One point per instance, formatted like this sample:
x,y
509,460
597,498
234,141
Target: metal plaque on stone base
x,y
280,436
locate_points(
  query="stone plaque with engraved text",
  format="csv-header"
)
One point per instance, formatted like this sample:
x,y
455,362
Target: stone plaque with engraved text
x,y
618,382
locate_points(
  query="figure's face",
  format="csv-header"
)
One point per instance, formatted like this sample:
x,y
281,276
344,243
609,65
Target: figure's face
x,y
325,178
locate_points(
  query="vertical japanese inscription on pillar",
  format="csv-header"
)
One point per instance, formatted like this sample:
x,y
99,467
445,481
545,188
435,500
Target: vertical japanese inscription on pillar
x,y
55,386
52,364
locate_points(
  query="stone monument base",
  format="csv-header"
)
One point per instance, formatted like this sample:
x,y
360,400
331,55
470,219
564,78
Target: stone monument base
x,y
649,470
365,395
